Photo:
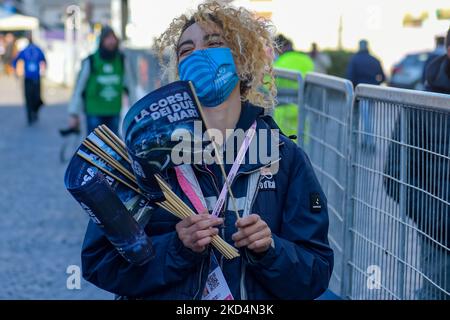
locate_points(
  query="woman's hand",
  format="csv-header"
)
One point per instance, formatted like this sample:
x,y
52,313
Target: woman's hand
x,y
253,233
196,232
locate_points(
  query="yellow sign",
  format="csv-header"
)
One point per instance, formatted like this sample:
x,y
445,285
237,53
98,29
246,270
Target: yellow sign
x,y
414,21
264,14
443,14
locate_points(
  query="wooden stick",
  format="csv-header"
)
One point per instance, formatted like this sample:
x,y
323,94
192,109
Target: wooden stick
x,y
166,189
99,133
226,249
108,173
216,151
110,160
114,140
177,207
114,137
165,205
217,242
220,243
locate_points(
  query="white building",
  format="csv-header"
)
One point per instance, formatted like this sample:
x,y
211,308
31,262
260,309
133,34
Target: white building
x,y
51,13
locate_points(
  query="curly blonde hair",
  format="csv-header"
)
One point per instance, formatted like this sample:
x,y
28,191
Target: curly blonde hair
x,y
249,38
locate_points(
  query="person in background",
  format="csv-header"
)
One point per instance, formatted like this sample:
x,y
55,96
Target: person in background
x,y
2,52
365,68
321,60
438,51
437,72
10,53
100,86
286,114
288,58
34,61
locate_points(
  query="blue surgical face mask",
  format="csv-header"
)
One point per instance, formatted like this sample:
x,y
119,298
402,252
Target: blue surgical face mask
x,y
213,73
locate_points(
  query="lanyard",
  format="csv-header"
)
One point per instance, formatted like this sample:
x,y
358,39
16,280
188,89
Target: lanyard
x,y
234,169
216,287
188,187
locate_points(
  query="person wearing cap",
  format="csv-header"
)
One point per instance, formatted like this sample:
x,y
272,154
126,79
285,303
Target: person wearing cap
x,y
100,85
282,229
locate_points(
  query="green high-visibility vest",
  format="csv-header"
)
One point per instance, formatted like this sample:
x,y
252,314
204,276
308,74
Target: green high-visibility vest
x,y
286,115
103,94
296,61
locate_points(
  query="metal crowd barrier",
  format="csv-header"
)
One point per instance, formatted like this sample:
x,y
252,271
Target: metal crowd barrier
x,y
289,95
293,93
323,133
399,186
324,107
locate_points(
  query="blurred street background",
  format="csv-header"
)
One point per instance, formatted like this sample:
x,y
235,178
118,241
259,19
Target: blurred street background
x,y
41,225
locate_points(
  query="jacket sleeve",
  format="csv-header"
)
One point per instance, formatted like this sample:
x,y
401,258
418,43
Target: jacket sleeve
x,y
16,59
103,266
76,103
300,264
381,73
42,57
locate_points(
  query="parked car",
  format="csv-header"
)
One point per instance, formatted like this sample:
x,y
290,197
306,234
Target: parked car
x,y
408,72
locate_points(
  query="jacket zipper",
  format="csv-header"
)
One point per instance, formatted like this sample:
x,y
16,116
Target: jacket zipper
x,y
212,250
210,175
222,230
243,290
199,281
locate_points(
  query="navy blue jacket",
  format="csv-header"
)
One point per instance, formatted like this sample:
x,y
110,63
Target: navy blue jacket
x,y
437,75
365,68
298,267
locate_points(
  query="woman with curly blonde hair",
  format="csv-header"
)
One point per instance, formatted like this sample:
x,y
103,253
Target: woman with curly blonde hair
x,y
248,38
278,219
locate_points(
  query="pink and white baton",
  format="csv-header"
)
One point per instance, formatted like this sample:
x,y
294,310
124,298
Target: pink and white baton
x,y
234,169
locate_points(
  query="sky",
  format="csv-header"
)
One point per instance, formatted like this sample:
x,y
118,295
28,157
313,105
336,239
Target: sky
x,y
307,21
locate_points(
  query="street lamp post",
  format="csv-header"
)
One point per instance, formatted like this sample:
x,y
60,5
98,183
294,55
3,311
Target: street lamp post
x,y
73,37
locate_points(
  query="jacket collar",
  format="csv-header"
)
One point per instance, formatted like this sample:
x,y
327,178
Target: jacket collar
x,y
249,113
252,161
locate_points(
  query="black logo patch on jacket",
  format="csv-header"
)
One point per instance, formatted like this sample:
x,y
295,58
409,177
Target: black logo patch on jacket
x,y
315,203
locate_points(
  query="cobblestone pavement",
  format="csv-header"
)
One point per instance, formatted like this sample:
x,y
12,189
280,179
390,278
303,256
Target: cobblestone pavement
x,y
41,226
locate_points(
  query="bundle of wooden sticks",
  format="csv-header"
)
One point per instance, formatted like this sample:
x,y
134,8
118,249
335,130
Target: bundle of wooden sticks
x,y
172,203
177,207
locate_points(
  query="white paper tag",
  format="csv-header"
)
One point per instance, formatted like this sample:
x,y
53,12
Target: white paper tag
x,y
216,287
